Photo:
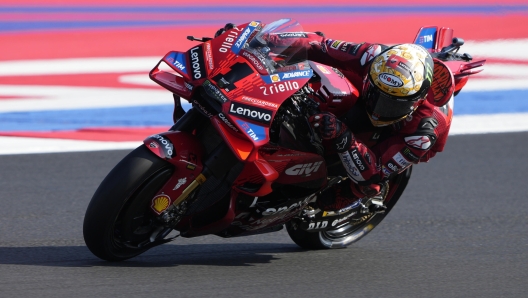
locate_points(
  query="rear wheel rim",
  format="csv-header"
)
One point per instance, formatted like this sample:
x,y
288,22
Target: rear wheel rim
x,y
348,233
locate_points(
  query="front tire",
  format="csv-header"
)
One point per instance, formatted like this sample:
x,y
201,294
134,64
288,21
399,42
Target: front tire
x,y
118,222
349,233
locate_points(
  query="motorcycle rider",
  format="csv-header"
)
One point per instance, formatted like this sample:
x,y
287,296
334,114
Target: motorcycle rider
x,y
393,125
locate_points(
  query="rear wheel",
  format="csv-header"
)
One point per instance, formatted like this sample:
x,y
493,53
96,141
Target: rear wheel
x,y
352,231
118,223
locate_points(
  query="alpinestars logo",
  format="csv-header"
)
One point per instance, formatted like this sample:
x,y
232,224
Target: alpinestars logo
x,y
419,142
341,145
303,169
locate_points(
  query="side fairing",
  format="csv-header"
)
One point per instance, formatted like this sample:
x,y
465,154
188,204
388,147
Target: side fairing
x,y
331,85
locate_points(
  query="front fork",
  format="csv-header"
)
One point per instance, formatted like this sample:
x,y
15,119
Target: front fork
x,y
193,166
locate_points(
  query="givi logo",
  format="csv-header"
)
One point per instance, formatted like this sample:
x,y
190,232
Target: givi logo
x,y
304,169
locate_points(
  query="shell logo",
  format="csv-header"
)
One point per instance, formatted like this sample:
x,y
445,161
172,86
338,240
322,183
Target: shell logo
x,y
275,78
160,203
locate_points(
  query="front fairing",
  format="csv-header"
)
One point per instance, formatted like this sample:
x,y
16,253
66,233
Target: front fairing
x,y
245,82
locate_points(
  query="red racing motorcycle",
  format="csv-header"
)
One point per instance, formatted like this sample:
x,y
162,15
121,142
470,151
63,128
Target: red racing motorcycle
x,y
244,160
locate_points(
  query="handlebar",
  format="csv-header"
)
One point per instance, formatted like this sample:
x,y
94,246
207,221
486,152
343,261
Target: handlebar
x,y
451,51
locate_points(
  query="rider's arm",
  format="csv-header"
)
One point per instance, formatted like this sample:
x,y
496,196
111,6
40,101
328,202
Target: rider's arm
x,y
344,55
413,142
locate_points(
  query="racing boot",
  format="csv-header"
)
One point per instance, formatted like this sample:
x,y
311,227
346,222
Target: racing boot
x,y
337,197
347,194
373,197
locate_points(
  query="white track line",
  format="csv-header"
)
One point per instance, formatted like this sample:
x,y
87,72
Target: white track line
x,y
46,98
40,98
17,145
465,124
77,66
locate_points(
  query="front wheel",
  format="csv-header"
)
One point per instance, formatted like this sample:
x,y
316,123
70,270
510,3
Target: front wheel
x,y
118,223
351,232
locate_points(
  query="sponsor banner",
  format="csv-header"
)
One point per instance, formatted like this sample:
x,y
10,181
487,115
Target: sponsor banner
x,y
400,64
323,69
419,142
392,166
230,39
259,102
426,38
290,75
354,49
243,37
351,168
371,52
227,122
401,160
197,63
358,160
250,112
179,60
335,44
409,155
209,56
255,61
255,132
390,79
293,35
160,203
303,169
163,143
213,91
272,89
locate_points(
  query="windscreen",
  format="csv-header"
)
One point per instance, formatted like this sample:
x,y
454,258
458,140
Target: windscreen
x,y
280,57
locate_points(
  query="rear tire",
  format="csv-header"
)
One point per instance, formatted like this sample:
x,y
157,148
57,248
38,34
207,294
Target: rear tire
x,y
349,233
118,222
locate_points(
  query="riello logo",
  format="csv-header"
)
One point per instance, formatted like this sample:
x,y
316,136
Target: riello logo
x,y
279,87
304,169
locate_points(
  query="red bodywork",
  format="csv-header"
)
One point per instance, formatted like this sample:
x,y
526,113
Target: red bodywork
x,y
183,72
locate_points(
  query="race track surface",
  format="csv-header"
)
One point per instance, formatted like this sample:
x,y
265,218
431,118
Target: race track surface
x,y
460,230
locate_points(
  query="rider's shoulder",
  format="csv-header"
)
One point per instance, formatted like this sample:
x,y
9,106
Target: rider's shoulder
x,y
424,118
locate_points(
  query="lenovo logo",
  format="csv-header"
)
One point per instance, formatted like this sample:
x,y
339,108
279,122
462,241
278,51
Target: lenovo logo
x,y
250,112
197,63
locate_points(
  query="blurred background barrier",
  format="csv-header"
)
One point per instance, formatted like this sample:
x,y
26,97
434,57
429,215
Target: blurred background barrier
x,y
74,75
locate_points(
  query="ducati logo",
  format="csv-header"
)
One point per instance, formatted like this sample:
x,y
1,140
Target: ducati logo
x,y
303,169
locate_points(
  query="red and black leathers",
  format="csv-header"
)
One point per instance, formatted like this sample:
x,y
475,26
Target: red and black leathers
x,y
373,154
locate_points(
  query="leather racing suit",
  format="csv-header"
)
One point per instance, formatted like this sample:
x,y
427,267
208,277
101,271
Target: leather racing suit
x,y
374,153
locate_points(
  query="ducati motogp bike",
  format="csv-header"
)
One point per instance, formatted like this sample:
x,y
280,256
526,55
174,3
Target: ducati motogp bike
x,y
243,159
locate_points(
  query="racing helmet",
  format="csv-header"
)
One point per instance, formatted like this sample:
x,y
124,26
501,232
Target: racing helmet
x,y
397,82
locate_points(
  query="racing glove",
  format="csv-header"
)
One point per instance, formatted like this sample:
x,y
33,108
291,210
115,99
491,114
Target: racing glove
x,y
331,128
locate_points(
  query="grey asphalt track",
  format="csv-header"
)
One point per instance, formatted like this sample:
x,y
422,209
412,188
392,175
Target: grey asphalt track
x,y
460,230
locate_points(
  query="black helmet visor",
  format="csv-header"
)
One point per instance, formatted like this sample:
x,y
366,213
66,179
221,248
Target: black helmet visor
x,y
384,107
